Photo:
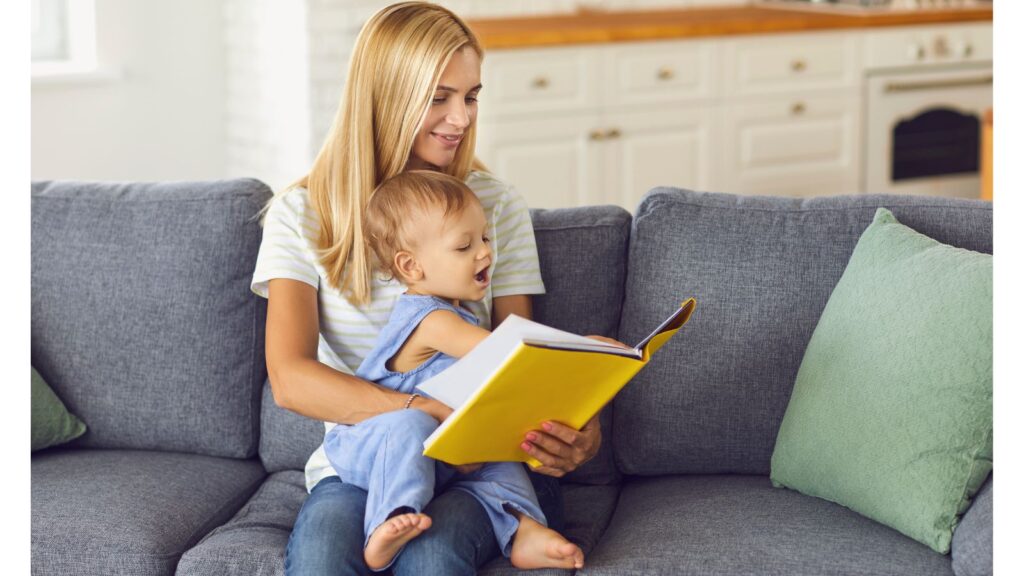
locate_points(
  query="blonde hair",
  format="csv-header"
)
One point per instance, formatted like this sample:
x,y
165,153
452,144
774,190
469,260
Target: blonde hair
x,y
396,205
397,62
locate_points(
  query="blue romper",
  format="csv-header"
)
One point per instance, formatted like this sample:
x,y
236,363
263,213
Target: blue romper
x,y
384,454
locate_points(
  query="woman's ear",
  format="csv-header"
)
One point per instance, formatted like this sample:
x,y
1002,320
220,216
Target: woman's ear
x,y
408,267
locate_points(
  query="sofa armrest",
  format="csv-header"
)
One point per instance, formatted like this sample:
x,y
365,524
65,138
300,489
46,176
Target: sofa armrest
x,y
972,539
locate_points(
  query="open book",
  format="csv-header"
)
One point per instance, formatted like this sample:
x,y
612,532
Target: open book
x,y
525,373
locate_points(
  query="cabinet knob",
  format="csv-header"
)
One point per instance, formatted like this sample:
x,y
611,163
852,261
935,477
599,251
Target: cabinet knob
x,y
614,133
798,65
798,108
666,73
597,135
966,50
541,82
917,52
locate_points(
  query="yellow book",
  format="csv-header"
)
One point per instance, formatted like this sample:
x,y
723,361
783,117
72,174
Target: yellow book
x,y
525,373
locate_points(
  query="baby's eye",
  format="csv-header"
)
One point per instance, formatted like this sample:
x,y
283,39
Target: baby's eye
x,y
464,248
486,240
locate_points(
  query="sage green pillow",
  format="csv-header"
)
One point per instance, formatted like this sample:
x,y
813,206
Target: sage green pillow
x,y
891,412
52,424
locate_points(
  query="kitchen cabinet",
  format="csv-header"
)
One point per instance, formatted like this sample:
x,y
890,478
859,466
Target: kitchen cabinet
x,y
596,124
751,114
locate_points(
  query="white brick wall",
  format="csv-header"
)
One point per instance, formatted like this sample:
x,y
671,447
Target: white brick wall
x,y
287,60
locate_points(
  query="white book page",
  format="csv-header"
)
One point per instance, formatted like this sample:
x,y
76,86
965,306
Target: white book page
x,y
460,380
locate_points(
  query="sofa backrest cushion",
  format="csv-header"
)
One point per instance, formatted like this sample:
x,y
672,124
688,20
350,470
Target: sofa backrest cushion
x,y
583,263
761,268
142,318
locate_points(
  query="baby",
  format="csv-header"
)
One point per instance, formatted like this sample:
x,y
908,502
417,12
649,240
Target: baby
x,y
428,230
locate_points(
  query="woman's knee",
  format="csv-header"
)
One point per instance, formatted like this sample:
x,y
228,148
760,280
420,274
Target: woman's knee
x,y
328,534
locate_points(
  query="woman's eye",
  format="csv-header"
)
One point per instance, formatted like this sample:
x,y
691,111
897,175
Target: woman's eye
x,y
473,98
438,100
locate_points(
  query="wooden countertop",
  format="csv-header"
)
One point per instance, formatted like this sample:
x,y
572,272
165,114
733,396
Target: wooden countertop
x,y
622,26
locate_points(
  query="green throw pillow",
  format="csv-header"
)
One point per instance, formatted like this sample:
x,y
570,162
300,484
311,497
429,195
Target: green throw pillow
x,y
891,413
51,422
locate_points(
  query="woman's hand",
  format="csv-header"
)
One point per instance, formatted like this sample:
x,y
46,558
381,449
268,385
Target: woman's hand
x,y
561,449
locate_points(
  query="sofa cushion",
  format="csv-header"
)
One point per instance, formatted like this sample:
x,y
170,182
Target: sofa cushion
x,y
142,318
52,424
129,512
891,413
583,263
734,525
762,269
573,245
972,539
254,541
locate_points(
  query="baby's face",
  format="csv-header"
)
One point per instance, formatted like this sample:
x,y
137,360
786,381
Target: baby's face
x,y
454,254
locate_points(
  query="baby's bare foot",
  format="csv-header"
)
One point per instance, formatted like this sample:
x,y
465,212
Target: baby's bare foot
x,y
536,546
390,536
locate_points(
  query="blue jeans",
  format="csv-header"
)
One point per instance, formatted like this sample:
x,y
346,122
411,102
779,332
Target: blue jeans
x,y
328,535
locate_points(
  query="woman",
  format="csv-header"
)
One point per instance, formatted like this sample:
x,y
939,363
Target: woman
x,y
410,102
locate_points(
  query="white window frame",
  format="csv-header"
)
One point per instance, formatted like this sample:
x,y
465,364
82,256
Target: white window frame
x,y
81,41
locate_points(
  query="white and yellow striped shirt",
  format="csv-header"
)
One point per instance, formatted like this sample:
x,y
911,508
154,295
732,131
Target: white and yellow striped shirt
x,y
347,332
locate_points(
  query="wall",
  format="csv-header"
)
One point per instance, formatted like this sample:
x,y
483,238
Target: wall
x,y
206,89
161,117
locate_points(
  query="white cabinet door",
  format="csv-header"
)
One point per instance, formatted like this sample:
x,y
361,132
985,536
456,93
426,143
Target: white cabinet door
x,y
552,162
667,146
792,146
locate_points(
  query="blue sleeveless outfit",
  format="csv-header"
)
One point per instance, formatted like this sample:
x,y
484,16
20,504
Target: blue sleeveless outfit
x,y
384,454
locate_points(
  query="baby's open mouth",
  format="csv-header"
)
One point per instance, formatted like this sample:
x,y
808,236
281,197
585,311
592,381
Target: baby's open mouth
x,y
481,276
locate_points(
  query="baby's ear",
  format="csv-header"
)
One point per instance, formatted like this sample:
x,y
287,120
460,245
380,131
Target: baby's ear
x,y
408,267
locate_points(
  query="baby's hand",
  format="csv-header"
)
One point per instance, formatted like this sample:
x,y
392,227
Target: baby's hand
x,y
607,340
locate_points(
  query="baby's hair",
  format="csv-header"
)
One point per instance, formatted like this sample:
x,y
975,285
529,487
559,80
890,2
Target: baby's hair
x,y
399,200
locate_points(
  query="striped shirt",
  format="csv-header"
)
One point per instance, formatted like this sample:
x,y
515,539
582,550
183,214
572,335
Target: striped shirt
x,y
348,332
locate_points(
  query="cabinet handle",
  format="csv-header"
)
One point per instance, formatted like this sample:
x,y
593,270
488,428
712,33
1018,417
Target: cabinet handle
x,y
798,108
614,133
798,65
666,73
597,135
541,82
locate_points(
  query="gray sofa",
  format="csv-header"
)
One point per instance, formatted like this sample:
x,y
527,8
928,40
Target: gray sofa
x,y
143,323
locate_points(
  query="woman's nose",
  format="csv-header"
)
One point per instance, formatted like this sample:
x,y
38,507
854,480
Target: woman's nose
x,y
458,116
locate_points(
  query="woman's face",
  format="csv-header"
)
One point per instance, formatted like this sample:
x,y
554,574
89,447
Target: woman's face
x,y
451,112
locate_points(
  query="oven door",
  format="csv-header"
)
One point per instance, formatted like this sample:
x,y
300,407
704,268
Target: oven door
x,y
923,131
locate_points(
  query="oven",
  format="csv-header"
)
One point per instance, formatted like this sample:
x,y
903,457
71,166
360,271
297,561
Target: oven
x,y
927,90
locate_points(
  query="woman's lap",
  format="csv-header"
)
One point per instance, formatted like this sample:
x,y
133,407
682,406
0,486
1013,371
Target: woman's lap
x,y
328,535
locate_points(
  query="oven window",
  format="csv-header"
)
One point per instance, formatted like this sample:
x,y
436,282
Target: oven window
x,y
935,142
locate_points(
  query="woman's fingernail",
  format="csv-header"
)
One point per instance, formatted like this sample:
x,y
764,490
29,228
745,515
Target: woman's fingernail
x,y
547,426
525,446
531,437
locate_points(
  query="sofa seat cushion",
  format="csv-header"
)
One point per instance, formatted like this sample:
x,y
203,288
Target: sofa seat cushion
x,y
253,542
740,525
129,512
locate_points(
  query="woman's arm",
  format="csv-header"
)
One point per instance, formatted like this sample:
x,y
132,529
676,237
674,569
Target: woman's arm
x,y
502,306
303,384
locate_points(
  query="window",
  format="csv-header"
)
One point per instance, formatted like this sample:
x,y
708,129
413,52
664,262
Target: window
x,y
63,37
